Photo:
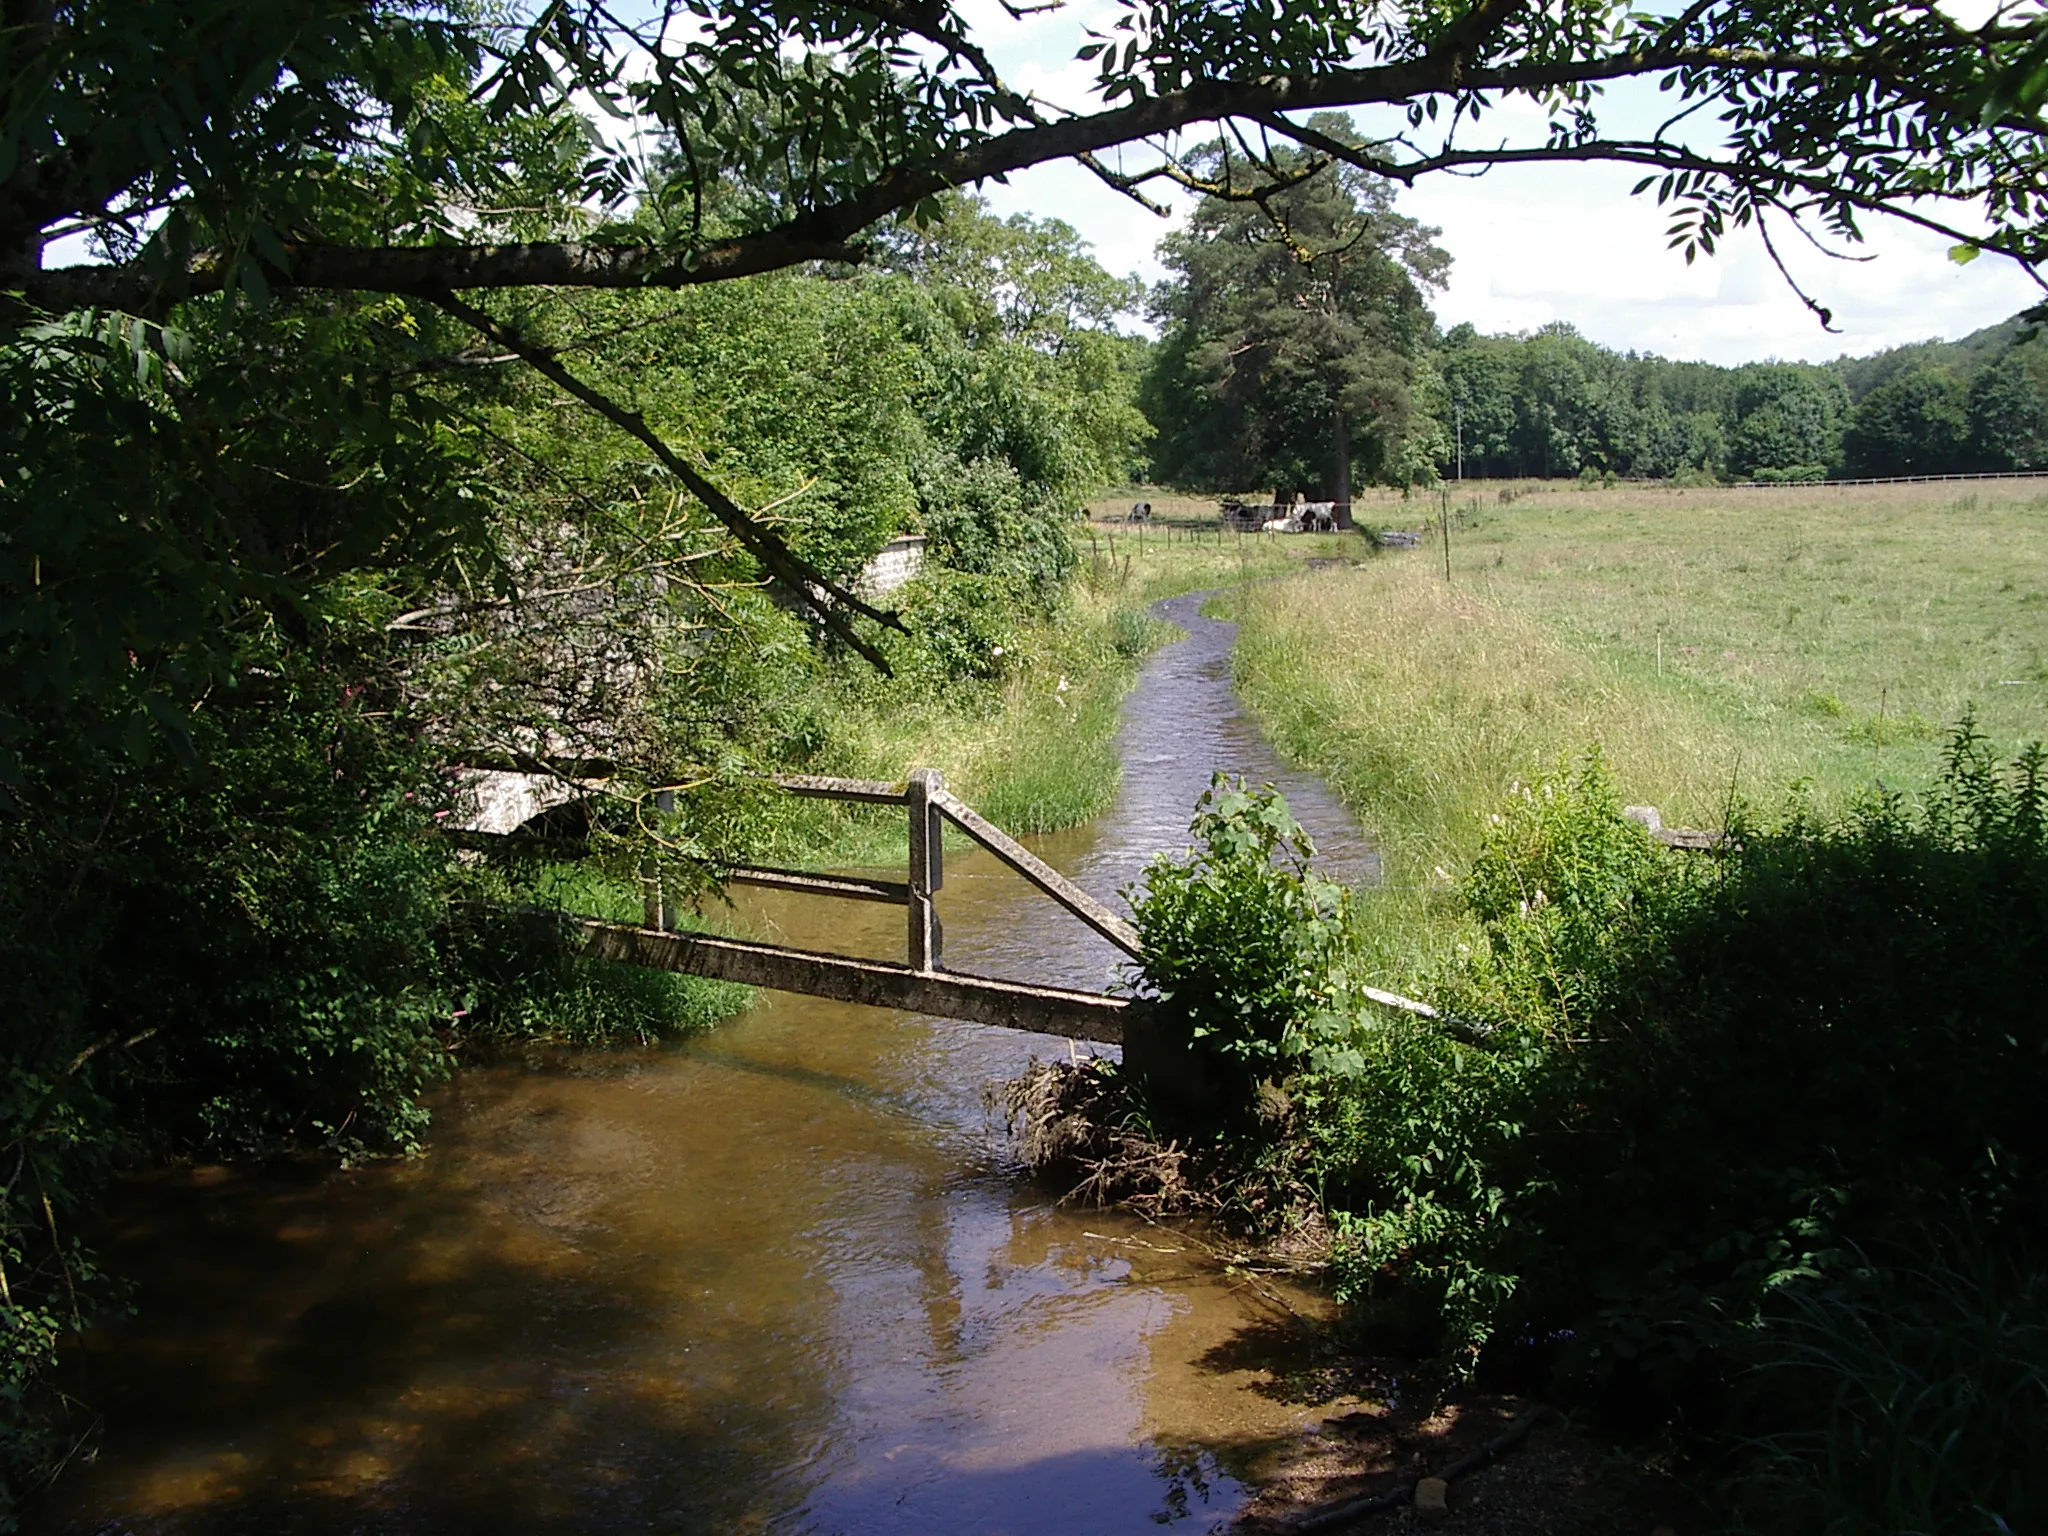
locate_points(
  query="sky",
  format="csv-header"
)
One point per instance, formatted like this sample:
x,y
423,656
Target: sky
x,y
1533,244
1538,243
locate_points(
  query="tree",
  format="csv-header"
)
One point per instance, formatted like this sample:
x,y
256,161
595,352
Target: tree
x,y
2009,413
1575,405
1915,424
1479,383
431,149
1288,332
1786,416
318,143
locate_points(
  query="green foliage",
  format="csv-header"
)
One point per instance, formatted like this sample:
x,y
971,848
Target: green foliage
x,y
522,979
1685,1087
980,518
1551,403
2009,412
1288,341
140,469
1895,1399
1786,417
964,627
1240,941
1915,424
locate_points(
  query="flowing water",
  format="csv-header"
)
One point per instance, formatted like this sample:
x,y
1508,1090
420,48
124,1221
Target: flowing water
x,y
785,1277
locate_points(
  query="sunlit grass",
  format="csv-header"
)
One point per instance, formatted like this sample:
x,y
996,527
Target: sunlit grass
x,y
1040,753
1713,643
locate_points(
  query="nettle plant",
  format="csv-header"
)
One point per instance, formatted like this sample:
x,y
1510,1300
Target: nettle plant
x,y
1243,944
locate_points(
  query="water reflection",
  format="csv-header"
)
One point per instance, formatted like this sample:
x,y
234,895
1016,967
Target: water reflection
x,y
781,1279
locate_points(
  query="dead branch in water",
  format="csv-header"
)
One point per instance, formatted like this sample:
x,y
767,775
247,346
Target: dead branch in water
x,y
1074,1120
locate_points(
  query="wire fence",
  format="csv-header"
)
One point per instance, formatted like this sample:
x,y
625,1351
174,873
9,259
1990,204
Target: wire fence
x,y
1807,485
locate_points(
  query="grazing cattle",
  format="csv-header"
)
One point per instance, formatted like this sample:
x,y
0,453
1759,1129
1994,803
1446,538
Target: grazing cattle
x,y
1243,515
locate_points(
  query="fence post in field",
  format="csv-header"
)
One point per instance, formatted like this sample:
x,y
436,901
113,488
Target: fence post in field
x,y
927,867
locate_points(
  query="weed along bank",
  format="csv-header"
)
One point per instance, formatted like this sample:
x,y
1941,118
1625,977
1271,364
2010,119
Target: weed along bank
x,y
787,1265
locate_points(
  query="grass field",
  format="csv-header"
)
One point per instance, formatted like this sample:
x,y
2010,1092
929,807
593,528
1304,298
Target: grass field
x,y
1711,642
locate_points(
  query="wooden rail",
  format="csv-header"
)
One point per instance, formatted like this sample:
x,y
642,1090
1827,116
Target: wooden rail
x,y
878,983
1687,839
920,984
1040,874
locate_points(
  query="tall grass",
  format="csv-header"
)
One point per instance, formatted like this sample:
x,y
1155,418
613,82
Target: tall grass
x,y
1716,644
1921,1399
1037,752
1421,703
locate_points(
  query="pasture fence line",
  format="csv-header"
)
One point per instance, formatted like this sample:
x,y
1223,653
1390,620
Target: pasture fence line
x,y
1807,485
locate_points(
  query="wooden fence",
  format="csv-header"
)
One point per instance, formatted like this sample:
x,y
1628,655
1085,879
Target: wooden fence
x,y
920,983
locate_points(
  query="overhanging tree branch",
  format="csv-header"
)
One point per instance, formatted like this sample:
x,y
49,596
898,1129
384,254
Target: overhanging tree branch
x,y
827,232
427,271
823,596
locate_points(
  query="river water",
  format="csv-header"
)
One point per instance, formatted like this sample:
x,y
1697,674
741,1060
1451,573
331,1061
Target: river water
x,y
785,1277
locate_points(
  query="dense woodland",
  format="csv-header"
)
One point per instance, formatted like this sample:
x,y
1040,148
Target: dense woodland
x,y
1553,403
1272,373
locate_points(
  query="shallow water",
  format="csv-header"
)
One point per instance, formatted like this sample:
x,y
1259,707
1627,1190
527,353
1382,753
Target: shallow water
x,y
784,1277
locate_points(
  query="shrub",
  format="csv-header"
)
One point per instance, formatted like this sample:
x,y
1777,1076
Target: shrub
x,y
1241,943
965,627
1907,1399
1429,1139
522,980
1687,1087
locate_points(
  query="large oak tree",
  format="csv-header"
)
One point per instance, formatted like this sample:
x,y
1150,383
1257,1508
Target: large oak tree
x,y
1290,329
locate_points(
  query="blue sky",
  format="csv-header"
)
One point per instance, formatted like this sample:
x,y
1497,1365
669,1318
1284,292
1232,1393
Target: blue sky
x,y
1533,244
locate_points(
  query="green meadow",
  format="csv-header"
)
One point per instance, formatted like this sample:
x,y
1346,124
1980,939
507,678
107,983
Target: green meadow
x,y
1715,644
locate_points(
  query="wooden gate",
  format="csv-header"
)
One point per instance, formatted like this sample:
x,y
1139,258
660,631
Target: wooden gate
x,y
920,984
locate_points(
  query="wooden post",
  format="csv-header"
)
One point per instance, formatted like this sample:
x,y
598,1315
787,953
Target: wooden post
x,y
654,911
927,867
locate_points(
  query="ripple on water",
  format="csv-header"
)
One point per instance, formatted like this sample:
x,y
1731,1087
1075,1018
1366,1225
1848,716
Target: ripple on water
x,y
780,1279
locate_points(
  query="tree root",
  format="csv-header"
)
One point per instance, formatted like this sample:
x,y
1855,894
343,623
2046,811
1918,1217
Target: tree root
x,y
1074,1121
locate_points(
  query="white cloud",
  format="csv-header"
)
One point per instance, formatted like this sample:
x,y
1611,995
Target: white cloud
x,y
1534,244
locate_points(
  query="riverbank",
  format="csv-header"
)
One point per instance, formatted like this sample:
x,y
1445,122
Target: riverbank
x,y
1650,1062
1034,747
784,1270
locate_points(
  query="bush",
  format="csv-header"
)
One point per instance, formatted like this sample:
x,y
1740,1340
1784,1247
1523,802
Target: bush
x,y
522,980
964,627
1907,1399
1241,943
1690,1086
983,517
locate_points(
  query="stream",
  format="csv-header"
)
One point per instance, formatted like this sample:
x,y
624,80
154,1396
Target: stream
x,y
783,1277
